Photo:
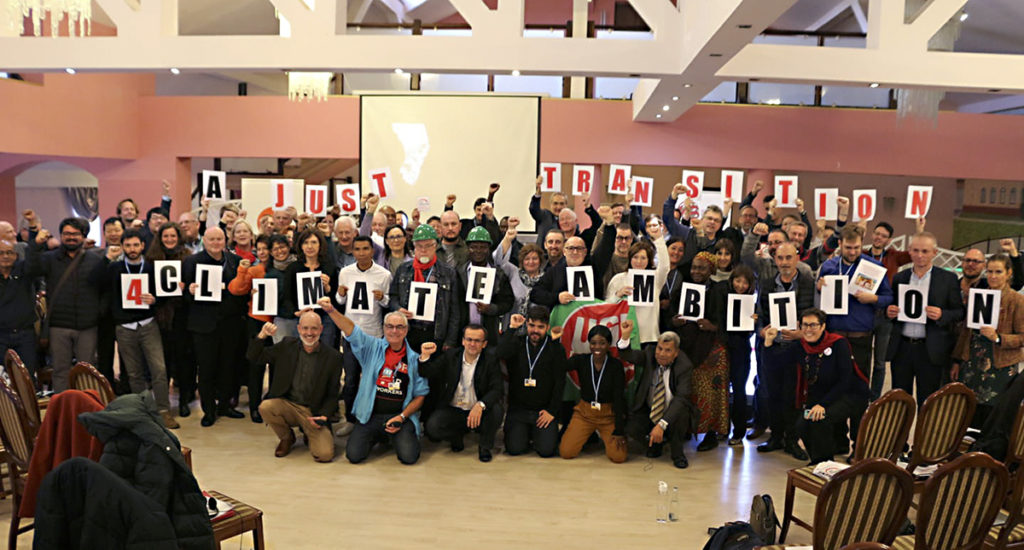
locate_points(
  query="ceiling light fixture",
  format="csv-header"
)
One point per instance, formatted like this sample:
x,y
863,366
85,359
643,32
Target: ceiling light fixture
x,y
963,17
399,71
664,107
687,85
515,72
744,26
174,70
675,98
69,70
874,85
658,115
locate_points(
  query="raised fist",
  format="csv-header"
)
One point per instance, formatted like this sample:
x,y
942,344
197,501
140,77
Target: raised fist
x,y
516,321
244,263
426,350
758,186
513,222
556,333
761,229
678,189
494,188
450,200
268,329
626,328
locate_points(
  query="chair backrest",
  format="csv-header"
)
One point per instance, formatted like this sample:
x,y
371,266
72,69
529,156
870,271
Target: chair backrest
x,y
1015,450
960,502
865,502
1015,508
866,546
941,424
15,428
885,426
85,377
23,384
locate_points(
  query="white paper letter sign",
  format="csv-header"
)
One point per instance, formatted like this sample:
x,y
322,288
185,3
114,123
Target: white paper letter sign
x,y
782,310
691,301
264,296
316,199
983,308
863,205
209,281
912,301
581,282
422,300
643,191
347,197
214,184
826,206
786,188
381,182
732,185
552,174
582,179
835,300
618,179
310,288
919,200
642,281
480,284
284,192
694,182
359,297
740,312
168,275
133,286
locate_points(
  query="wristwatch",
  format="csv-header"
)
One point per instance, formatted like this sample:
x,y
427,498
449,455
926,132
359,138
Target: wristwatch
x,y
663,424
483,406
999,340
403,417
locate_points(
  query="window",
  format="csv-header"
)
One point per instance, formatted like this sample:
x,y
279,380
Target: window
x,y
992,195
983,195
1013,195
1002,195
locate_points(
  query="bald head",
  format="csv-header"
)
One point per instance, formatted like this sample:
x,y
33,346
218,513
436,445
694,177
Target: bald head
x,y
379,223
7,231
973,263
310,328
451,226
575,251
213,241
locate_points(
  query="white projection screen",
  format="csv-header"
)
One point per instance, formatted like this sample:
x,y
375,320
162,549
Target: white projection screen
x,y
435,145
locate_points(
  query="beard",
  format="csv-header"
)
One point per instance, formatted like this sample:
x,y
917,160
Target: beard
x,y
309,342
71,247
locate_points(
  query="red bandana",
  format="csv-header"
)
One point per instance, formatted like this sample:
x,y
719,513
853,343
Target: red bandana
x,y
418,269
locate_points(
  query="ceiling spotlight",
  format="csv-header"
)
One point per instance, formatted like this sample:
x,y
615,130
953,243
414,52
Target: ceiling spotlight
x,y
874,85
174,70
657,115
515,72
399,71
963,16
675,98
715,55
744,26
664,108
687,85
69,70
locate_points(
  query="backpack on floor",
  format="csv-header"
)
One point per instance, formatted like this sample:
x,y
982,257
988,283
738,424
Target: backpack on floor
x,y
763,519
735,535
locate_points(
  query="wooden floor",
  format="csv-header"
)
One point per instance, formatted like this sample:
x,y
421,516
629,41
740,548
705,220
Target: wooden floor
x,y
454,501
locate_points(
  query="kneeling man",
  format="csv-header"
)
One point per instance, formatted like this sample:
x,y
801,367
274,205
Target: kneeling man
x,y
304,391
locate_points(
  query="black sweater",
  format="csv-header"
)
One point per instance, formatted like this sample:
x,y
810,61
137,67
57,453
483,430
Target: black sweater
x,y
549,373
111,285
17,300
611,390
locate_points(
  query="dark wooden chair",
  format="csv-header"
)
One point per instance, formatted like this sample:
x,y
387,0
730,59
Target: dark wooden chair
x,y
245,519
24,385
1011,533
15,430
85,377
941,425
865,502
866,546
883,432
958,505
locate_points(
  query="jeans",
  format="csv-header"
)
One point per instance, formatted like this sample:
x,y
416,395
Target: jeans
x,y
449,423
23,342
68,345
139,348
365,436
521,428
353,371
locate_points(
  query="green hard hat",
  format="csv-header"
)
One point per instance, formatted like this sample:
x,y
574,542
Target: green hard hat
x,y
424,232
478,234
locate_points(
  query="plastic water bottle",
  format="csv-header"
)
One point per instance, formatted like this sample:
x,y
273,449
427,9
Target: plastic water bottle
x,y
662,502
673,505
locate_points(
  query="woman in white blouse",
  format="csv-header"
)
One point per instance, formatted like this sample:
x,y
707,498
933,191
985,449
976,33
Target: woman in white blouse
x,y
642,256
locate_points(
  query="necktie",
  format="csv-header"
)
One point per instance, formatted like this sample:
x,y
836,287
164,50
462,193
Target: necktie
x,y
658,399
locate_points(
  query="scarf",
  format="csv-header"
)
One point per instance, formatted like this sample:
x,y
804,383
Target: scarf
x,y
529,281
817,349
418,268
281,266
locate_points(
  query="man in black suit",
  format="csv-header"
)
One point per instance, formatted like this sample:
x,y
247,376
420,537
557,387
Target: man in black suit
x,y
923,351
470,393
215,327
661,405
304,391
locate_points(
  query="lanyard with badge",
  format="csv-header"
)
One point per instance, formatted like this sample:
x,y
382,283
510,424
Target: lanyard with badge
x,y
596,381
142,265
530,381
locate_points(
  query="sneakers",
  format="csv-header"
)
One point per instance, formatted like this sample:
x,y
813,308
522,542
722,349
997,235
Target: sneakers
x,y
169,421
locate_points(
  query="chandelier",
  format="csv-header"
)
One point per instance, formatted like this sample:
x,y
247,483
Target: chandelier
x,y
308,86
74,10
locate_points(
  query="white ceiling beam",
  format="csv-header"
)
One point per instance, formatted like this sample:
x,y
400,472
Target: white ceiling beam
x,y
710,34
306,21
660,15
149,51
397,8
950,71
507,19
859,15
932,17
885,19
360,12
830,15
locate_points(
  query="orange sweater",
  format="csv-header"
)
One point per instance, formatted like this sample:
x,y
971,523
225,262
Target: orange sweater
x,y
242,285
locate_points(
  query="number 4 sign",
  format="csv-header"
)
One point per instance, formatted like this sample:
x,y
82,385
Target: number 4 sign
x,y
133,286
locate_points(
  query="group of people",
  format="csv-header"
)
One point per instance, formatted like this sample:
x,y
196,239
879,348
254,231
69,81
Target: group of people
x,y
499,363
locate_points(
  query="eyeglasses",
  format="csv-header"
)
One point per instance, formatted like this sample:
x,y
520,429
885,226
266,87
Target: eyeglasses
x,y
395,237
970,261
623,237
8,253
575,248
395,327
71,234
473,340
810,325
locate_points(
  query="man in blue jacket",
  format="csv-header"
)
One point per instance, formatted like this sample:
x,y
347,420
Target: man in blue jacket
x,y
391,390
